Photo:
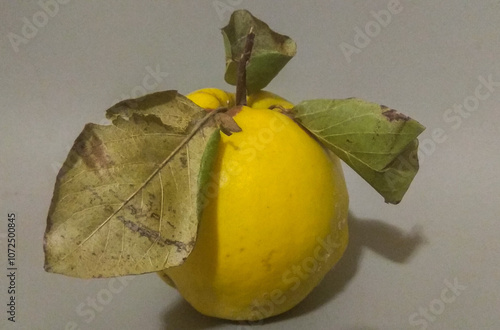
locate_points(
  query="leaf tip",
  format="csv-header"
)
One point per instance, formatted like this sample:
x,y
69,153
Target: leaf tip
x,y
393,202
393,115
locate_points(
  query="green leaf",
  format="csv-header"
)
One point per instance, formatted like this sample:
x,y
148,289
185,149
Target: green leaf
x,y
125,200
207,163
379,143
271,50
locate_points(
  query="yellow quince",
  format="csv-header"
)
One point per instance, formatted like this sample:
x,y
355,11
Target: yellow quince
x,y
276,217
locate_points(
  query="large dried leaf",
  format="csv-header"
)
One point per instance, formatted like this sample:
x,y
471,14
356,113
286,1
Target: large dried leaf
x,y
270,53
379,143
125,200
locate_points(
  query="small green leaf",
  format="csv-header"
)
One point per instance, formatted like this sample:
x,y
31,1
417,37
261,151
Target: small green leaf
x,y
379,143
125,200
271,50
207,162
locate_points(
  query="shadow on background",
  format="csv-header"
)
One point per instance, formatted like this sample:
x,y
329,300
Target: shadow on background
x,y
387,240
183,316
382,238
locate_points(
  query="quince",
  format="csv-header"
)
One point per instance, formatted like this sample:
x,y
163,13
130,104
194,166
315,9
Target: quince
x,y
276,218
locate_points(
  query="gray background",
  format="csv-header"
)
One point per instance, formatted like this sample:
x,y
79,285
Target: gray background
x,y
427,60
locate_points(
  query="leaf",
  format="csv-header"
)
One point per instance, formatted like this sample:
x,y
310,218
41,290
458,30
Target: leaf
x,y
271,50
125,200
379,143
173,109
207,163
393,181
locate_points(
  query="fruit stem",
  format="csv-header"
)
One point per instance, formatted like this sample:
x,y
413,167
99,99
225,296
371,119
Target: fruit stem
x,y
241,85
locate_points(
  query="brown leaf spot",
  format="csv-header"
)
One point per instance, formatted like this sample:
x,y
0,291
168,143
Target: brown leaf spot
x,y
141,230
132,209
92,150
154,236
392,114
183,160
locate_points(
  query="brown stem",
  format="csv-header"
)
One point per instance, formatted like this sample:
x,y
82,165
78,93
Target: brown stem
x,y
241,85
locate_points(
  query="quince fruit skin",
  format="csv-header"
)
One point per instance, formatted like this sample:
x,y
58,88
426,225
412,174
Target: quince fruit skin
x,y
276,218
212,98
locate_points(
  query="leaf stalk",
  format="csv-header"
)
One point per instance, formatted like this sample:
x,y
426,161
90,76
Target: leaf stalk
x,y
241,85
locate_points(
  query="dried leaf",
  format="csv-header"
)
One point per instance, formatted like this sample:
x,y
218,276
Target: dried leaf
x,y
126,199
173,110
377,142
227,124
